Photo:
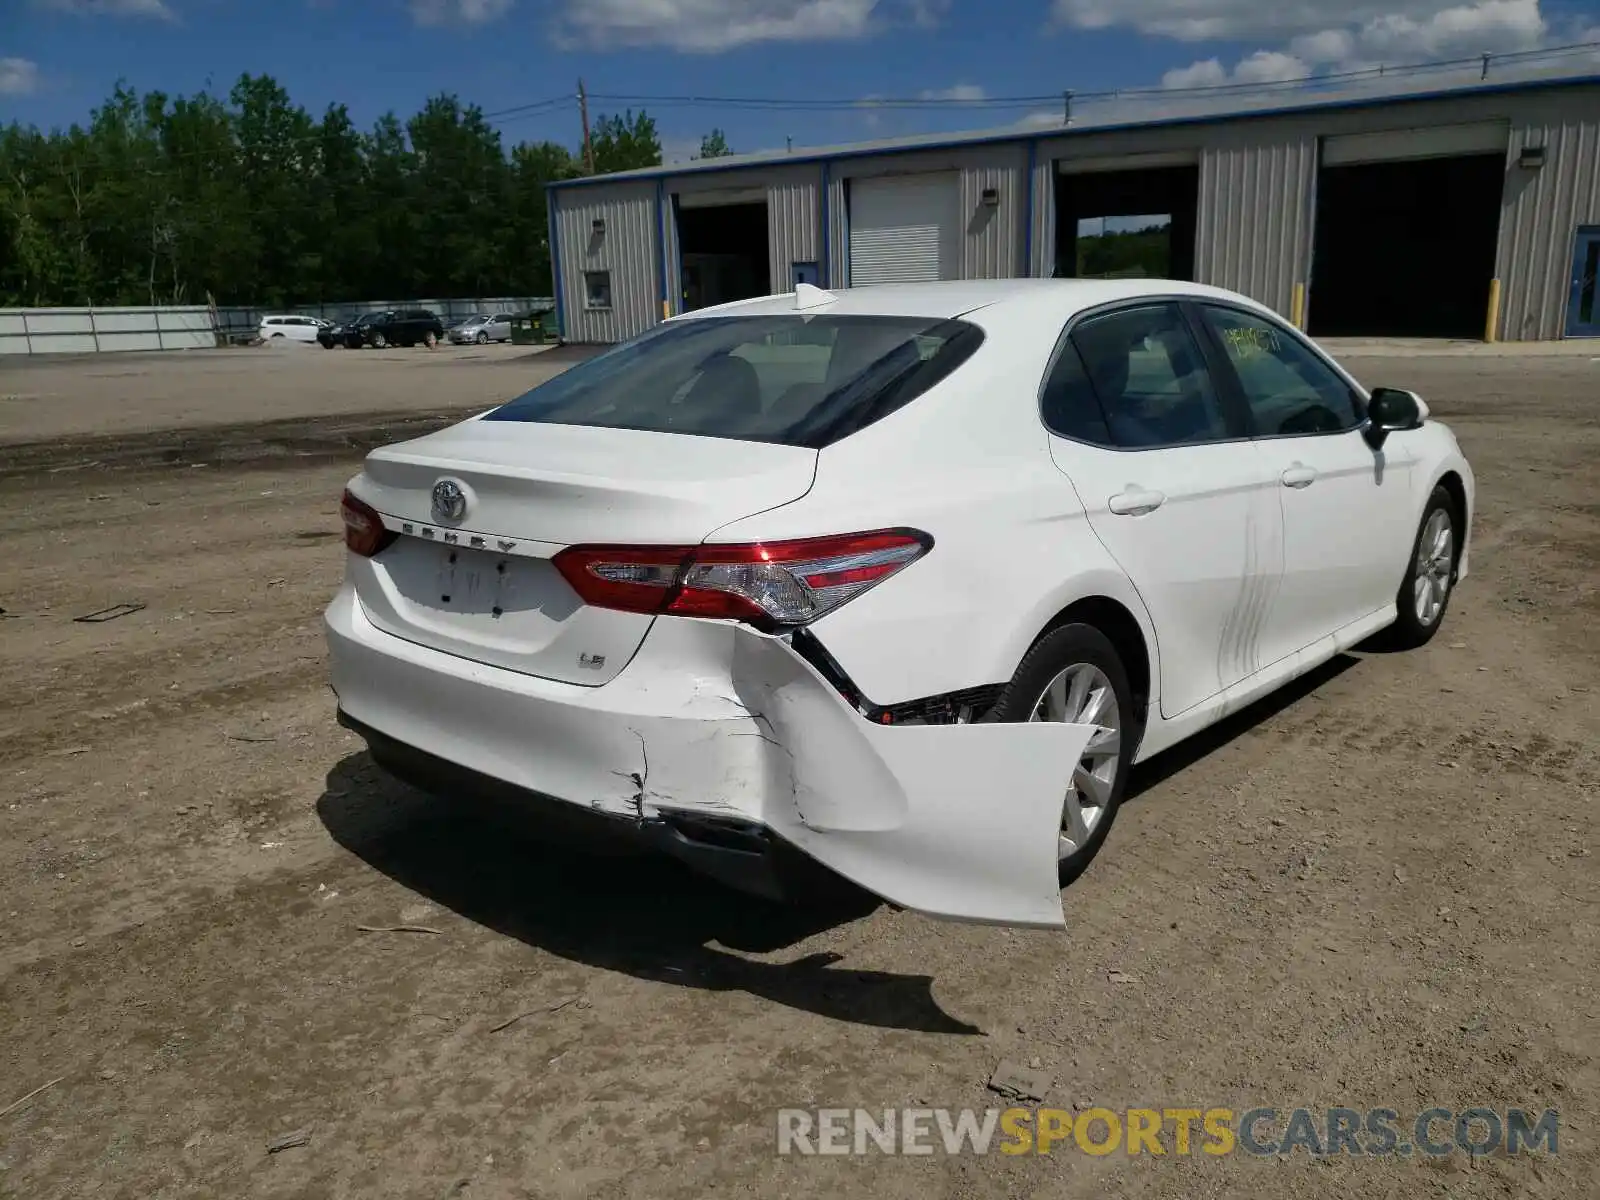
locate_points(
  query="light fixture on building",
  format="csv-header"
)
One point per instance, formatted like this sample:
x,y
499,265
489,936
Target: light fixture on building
x,y
991,197
599,226
1532,157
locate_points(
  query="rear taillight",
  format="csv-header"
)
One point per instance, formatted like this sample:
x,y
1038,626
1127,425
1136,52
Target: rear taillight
x,y
364,533
769,584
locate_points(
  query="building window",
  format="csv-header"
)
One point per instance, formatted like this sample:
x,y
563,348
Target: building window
x,y
597,289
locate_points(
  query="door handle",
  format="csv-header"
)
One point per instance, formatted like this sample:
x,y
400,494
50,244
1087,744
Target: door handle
x,y
1135,502
1298,476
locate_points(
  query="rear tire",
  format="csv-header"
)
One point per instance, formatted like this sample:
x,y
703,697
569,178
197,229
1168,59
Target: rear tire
x,y
1430,577
1080,655
379,342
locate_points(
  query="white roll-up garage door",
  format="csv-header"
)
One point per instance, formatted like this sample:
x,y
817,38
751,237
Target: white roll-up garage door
x,y
1437,141
905,229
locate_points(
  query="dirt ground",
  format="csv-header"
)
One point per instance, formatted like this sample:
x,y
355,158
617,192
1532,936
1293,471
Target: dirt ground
x,y
1377,889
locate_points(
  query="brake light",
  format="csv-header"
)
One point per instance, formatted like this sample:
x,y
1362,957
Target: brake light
x,y
364,533
768,584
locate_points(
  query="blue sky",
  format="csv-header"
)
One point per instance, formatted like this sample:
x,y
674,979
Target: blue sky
x,y
59,58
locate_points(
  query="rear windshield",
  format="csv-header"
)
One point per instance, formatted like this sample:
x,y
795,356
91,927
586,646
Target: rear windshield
x,y
791,379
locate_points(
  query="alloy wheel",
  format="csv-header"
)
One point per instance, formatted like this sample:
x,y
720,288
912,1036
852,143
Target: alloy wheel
x,y
1435,560
1082,695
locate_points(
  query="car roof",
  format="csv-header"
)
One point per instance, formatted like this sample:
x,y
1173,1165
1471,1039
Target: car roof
x,y
956,298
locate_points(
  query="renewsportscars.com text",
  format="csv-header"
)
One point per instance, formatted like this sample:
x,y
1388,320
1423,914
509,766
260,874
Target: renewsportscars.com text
x,y
1176,1132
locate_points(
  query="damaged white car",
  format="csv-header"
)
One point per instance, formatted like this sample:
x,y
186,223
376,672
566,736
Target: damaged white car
x,y
903,578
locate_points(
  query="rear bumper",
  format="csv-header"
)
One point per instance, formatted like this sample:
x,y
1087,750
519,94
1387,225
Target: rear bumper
x,y
714,733
740,854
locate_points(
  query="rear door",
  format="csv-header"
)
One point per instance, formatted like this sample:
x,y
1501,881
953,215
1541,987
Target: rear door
x,y
1174,489
1345,505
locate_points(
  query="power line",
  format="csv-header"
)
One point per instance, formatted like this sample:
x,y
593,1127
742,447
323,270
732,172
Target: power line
x,y
937,103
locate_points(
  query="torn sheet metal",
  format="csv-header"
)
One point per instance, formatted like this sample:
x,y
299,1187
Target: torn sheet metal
x,y
956,821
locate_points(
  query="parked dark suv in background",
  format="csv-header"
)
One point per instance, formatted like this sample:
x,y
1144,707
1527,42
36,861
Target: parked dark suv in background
x,y
395,327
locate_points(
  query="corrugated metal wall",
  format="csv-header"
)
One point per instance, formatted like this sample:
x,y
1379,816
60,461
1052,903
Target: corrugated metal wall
x,y
1543,208
1256,206
793,217
628,249
1254,225
991,239
87,330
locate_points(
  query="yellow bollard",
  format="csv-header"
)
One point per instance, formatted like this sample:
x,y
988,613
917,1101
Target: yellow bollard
x,y
1297,307
1491,326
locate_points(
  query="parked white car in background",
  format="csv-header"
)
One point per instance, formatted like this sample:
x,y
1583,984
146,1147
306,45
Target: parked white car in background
x,y
293,327
905,578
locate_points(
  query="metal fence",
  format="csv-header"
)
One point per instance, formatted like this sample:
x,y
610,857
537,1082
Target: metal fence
x,y
197,326
240,324
86,330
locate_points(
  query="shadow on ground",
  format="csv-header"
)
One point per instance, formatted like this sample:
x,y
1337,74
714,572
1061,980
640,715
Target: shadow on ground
x,y
1186,753
638,914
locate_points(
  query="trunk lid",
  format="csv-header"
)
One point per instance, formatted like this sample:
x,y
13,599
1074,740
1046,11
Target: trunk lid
x,y
480,584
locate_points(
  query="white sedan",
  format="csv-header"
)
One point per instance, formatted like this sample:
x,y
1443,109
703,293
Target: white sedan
x,y
903,579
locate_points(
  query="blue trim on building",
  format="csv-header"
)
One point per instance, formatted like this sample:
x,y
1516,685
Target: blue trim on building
x,y
555,262
826,265
1027,211
956,143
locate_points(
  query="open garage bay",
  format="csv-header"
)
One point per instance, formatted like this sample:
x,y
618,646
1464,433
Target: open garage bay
x,y
1378,889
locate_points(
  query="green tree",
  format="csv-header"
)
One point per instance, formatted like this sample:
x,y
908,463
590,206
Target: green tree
x,y
246,197
714,145
625,143
526,235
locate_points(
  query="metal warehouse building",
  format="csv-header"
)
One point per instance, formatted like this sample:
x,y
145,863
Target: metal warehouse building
x,y
1468,214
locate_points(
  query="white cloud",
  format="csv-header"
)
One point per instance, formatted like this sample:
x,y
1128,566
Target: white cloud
x,y
1250,20
1270,66
1208,72
18,77
961,92
158,9
1264,66
712,26
1325,46
1409,32
463,12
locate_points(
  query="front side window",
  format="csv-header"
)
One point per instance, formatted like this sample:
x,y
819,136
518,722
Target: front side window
x,y
793,380
1150,378
1289,389
597,289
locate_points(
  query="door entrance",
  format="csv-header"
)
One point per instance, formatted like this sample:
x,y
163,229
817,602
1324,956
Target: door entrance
x,y
1583,308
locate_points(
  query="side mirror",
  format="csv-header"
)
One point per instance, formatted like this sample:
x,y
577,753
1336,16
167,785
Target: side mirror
x,y
1390,410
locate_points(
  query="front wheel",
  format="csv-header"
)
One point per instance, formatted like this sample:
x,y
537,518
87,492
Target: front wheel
x,y
1430,575
430,339
1074,675
483,338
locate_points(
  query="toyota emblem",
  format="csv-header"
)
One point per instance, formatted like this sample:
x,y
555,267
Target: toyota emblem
x,y
449,500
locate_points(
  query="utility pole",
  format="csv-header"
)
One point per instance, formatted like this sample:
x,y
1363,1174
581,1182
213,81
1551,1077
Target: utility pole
x,y
1066,108
583,111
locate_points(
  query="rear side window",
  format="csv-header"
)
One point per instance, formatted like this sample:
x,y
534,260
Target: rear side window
x,y
1150,378
794,380
1069,406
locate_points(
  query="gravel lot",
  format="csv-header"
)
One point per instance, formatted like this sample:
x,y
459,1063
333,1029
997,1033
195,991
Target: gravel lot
x,y
1377,889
